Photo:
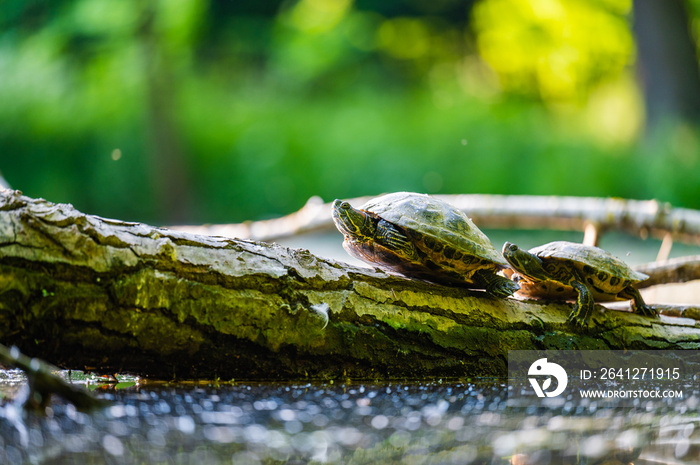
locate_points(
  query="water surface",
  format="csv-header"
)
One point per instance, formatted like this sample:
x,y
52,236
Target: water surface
x,y
408,422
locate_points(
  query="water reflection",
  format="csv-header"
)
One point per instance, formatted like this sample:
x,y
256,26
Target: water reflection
x,y
460,423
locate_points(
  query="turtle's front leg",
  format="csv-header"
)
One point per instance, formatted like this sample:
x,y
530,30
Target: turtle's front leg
x,y
639,305
392,238
495,285
583,309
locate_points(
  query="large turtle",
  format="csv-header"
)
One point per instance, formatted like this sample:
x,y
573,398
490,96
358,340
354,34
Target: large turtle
x,y
566,270
422,237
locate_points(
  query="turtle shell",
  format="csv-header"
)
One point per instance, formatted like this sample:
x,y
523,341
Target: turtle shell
x,y
442,231
600,269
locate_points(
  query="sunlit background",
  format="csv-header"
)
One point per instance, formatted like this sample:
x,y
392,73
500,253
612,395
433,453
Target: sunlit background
x,y
196,111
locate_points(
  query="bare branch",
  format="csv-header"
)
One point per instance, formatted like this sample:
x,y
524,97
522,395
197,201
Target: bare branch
x,y
675,270
637,217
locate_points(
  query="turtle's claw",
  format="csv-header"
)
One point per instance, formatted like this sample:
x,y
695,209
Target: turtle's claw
x,y
503,288
648,310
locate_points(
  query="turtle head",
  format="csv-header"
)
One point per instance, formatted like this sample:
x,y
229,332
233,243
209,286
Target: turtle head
x,y
524,262
352,222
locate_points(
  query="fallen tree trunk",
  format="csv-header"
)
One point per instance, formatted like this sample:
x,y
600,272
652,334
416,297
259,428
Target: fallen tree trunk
x,y
85,292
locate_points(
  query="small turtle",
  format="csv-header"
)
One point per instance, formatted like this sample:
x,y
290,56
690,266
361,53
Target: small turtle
x,y
422,237
566,270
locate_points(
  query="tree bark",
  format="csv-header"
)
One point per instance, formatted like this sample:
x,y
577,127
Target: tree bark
x,y
85,292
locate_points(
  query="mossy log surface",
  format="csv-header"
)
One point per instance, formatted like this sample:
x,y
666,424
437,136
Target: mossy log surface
x,y
85,292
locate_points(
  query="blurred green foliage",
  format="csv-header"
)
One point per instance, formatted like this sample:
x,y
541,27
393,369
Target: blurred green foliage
x,y
222,111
